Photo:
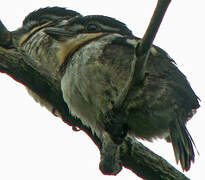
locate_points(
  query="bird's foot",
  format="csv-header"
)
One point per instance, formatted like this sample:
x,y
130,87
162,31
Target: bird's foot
x,y
115,125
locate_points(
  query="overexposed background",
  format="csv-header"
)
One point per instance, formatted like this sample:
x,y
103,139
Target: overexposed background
x,y
36,145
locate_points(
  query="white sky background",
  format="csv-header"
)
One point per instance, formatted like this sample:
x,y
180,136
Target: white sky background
x,y
36,145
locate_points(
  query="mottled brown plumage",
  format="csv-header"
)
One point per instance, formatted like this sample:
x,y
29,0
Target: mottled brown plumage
x,y
96,57
39,46
98,72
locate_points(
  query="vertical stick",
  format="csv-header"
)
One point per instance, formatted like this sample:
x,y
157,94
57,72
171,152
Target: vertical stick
x,y
153,27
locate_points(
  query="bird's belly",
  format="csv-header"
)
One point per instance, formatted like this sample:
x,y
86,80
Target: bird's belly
x,y
78,95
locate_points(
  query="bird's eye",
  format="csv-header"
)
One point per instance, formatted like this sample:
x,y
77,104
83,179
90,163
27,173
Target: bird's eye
x,y
92,27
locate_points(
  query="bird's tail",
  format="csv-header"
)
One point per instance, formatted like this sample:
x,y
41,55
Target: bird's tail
x,y
182,143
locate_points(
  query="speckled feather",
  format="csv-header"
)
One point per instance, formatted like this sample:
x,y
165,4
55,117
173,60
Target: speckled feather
x,y
49,13
98,71
39,45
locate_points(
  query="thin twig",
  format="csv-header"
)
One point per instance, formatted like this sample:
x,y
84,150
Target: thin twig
x,y
142,49
153,27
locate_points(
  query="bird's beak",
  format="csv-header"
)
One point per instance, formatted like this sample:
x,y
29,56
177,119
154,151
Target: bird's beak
x,y
72,44
69,43
20,36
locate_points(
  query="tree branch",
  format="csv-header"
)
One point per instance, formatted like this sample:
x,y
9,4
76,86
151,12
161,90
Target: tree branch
x,y
142,50
146,164
153,27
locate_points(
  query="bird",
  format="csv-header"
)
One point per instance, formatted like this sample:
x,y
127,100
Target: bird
x,y
97,74
95,58
36,44
28,35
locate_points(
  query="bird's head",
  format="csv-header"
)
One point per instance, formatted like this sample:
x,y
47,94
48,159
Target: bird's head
x,y
39,19
80,30
89,24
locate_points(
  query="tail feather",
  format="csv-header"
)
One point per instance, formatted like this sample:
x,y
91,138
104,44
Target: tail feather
x,y
182,143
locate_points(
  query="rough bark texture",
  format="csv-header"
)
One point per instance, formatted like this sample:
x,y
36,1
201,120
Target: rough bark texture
x,y
134,155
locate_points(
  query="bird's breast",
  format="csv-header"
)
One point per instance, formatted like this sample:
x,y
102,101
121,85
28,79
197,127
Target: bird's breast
x,y
43,49
95,76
